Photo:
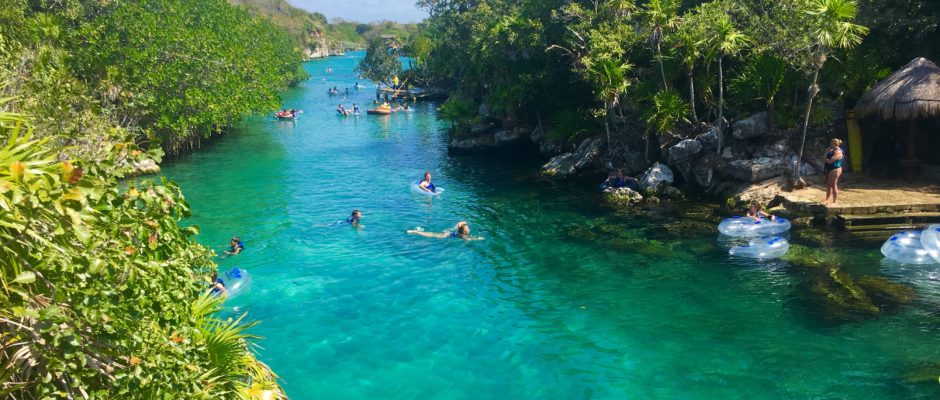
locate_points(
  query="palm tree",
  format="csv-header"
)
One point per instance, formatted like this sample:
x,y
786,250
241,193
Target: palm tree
x,y
831,28
668,109
727,41
690,37
660,15
609,78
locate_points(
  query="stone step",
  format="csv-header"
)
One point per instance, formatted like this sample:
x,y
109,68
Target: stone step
x,y
888,221
883,227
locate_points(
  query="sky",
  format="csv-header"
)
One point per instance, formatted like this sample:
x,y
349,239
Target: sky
x,y
365,10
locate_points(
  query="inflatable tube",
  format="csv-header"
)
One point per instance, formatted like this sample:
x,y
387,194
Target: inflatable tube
x,y
930,240
236,281
764,248
906,247
417,189
749,227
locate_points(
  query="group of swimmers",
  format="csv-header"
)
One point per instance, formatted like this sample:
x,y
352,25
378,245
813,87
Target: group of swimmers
x,y
236,246
285,113
343,111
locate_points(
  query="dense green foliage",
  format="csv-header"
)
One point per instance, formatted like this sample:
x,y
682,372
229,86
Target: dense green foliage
x,y
174,71
381,63
102,293
529,59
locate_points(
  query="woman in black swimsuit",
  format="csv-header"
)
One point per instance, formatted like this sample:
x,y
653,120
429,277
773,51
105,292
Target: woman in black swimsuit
x,y
834,156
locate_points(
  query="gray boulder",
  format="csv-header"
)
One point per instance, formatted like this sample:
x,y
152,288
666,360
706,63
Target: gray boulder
x,y
656,178
776,149
567,164
757,169
622,196
709,140
751,127
683,151
508,136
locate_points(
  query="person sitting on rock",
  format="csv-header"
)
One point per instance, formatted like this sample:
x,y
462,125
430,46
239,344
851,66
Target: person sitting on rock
x,y
755,212
620,180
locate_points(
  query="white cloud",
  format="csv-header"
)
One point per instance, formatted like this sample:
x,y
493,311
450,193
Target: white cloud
x,y
365,10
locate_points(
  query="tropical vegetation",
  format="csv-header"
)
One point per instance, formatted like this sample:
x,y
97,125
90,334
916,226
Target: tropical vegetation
x,y
667,66
103,294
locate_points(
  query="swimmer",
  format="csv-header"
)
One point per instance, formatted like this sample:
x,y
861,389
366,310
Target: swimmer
x,y
426,184
461,231
755,212
355,108
235,246
218,285
355,218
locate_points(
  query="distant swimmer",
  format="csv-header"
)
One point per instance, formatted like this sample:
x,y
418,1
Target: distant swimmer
x,y
355,219
341,111
461,231
355,108
235,246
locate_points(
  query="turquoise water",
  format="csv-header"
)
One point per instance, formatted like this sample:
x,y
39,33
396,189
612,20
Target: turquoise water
x,y
644,310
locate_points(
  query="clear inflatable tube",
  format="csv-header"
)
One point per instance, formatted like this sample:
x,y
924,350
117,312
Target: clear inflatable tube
x,y
749,227
906,247
417,189
236,281
930,240
763,248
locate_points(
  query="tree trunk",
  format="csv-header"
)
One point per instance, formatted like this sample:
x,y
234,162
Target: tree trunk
x,y
662,71
809,108
610,152
692,97
721,106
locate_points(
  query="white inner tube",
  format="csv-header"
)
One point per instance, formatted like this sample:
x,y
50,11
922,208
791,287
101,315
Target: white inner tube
x,y
930,240
417,189
236,282
906,247
749,227
764,248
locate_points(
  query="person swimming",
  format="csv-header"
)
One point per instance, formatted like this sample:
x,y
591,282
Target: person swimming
x,y
235,246
620,180
341,111
425,184
218,285
461,231
755,212
354,218
355,108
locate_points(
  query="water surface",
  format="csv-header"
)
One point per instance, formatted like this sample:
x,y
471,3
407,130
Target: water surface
x,y
531,312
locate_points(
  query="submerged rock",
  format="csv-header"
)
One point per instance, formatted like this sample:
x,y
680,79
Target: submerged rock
x,y
886,293
622,197
842,298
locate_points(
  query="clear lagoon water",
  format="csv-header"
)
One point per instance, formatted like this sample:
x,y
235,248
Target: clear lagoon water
x,y
647,309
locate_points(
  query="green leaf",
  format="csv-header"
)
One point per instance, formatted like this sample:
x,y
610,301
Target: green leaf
x,y
25,277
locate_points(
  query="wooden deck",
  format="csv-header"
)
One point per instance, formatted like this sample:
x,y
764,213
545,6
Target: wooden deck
x,y
870,204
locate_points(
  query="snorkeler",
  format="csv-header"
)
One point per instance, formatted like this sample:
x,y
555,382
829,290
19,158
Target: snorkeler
x,y
461,231
425,184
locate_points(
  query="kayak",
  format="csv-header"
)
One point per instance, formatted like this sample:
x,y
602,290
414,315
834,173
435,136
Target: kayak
x,y
379,111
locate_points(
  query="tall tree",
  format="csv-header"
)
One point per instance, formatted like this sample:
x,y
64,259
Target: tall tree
x,y
660,16
380,64
831,27
725,40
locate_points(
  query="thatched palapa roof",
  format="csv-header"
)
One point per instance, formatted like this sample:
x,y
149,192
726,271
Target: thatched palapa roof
x,y
912,92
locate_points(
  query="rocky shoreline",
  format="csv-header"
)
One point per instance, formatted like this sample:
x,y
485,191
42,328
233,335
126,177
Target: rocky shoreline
x,y
755,163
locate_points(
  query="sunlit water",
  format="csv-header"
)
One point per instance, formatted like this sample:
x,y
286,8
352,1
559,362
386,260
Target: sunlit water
x,y
527,313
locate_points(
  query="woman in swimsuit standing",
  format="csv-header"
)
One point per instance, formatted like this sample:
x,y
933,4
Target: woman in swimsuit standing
x,y
834,157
